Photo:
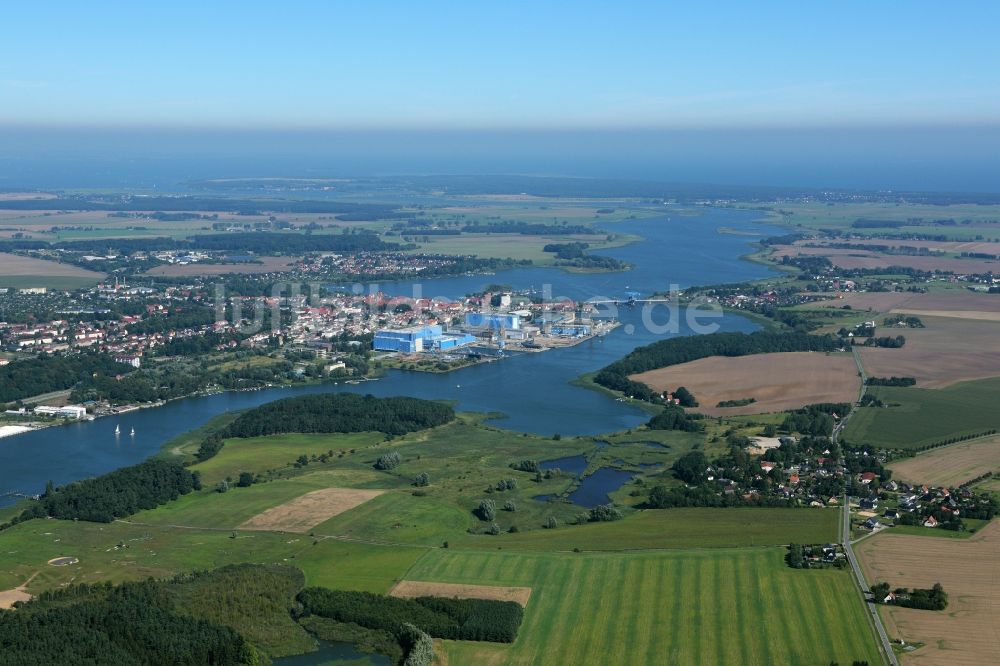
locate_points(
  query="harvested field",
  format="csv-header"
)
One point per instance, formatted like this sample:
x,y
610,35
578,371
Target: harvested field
x,y
948,350
986,247
267,265
14,265
961,305
410,589
882,301
950,465
309,510
781,381
968,631
850,258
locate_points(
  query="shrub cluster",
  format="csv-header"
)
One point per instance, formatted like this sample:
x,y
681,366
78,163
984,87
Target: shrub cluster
x,y
389,460
454,619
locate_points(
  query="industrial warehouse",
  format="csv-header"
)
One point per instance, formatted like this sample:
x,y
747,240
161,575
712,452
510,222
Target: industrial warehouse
x,y
492,330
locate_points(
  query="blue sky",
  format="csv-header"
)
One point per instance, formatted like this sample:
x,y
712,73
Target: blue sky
x,y
468,65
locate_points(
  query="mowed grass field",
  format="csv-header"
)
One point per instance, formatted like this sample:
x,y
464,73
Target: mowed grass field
x,y
918,417
676,528
691,607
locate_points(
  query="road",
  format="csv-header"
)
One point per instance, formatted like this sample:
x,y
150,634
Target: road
x,y
845,535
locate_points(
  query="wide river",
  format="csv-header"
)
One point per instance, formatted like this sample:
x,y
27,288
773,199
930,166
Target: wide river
x,y
533,390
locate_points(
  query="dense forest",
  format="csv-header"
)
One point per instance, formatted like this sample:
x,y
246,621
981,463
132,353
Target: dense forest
x,y
23,379
134,623
239,614
190,316
340,412
115,495
691,348
455,619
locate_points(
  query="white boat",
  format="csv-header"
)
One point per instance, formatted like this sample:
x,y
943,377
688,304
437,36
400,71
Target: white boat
x,y
117,430
132,432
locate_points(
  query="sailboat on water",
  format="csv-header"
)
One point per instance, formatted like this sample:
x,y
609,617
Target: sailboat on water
x,y
117,430
132,433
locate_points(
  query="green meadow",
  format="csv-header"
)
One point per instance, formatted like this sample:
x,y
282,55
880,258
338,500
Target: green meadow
x,y
917,417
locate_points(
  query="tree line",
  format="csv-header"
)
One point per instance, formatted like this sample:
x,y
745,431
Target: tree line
x,y
454,619
934,598
340,412
114,495
129,625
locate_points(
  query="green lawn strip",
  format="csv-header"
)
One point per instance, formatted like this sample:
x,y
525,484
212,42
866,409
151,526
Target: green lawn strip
x,y
674,528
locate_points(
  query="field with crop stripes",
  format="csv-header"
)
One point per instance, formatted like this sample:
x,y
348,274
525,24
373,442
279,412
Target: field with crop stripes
x,y
733,606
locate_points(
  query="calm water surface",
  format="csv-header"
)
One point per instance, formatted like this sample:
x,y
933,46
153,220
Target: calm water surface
x,y
532,390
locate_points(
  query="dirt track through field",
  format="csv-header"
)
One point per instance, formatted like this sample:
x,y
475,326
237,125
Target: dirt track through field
x,y
409,589
967,633
777,382
305,512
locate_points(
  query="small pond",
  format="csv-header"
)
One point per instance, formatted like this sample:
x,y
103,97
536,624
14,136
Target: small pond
x,y
575,465
594,489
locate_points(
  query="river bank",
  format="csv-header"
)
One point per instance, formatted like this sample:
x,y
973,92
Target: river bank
x,y
535,392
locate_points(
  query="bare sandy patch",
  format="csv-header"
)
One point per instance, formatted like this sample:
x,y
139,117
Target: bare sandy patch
x,y
305,512
9,597
409,589
950,465
968,631
786,380
20,593
947,351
